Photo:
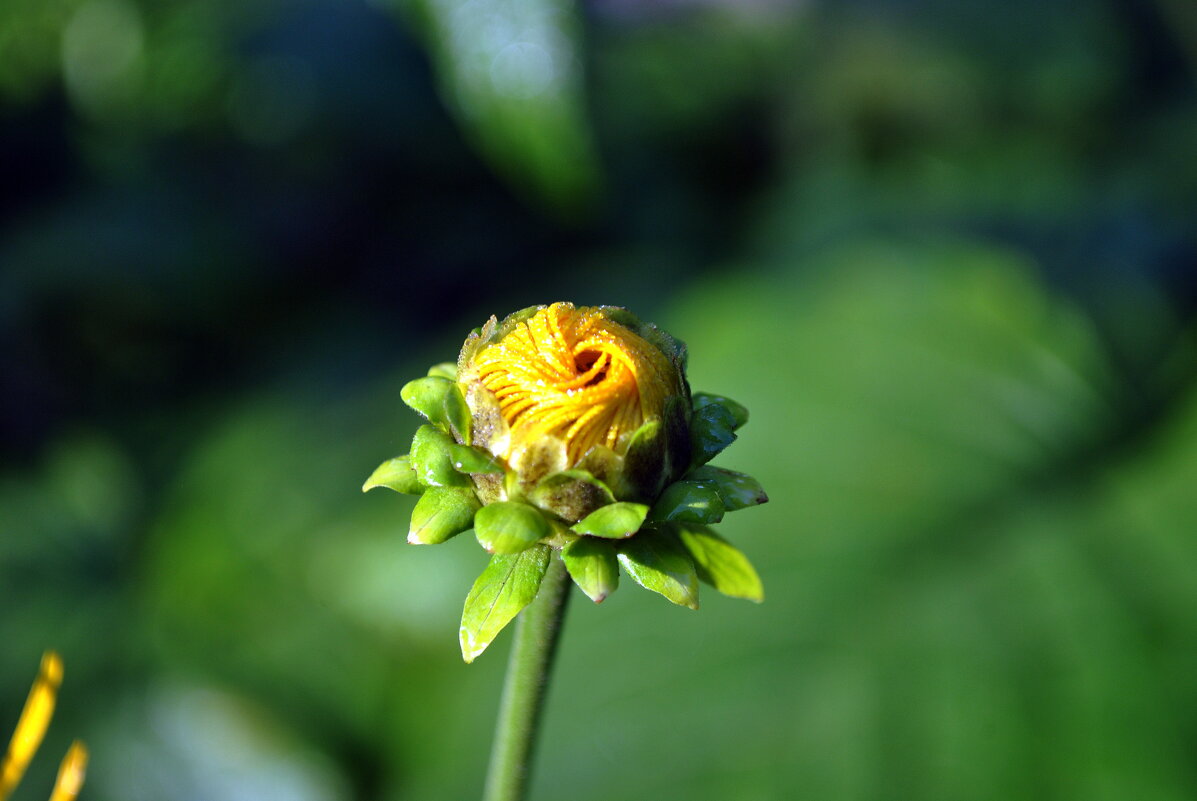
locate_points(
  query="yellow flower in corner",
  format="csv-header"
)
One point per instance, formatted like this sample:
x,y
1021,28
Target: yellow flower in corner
x,y
31,729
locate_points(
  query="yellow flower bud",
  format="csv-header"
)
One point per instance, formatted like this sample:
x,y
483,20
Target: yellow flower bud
x,y
575,374
570,433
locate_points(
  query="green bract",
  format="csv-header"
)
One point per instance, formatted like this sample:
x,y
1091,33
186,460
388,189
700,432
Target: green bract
x,y
571,433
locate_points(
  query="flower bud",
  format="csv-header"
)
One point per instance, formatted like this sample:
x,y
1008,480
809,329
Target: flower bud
x,y
573,430
588,390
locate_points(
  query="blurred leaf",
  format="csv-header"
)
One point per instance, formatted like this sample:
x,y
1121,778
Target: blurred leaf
x,y
511,71
507,585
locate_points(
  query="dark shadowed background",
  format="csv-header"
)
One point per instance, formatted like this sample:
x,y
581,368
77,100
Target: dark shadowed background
x,y
943,251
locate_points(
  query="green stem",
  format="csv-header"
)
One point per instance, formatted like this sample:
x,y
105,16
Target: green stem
x,y
527,680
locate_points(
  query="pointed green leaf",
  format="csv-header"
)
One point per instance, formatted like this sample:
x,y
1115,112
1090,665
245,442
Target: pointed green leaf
x,y
427,396
441,513
737,490
510,526
571,494
457,413
711,430
614,521
592,565
444,370
472,460
432,460
689,502
507,585
657,562
721,564
396,474
738,411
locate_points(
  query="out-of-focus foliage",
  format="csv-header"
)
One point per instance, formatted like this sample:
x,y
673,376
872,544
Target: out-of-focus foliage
x,y
944,252
511,71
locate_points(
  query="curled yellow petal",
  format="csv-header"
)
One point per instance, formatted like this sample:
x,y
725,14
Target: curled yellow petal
x,y
575,374
70,773
31,727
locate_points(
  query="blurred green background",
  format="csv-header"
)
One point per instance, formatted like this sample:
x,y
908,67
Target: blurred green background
x,y
943,251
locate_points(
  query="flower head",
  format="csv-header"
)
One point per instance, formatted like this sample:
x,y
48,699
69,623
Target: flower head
x,y
571,432
575,374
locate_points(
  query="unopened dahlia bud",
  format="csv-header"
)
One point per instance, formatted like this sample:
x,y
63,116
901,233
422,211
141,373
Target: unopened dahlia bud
x,y
566,432
590,390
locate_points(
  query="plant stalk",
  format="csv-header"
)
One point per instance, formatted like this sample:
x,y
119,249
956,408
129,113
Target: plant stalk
x,y
525,686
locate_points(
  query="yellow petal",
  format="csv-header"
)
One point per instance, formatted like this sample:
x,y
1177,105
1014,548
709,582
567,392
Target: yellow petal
x,y
577,375
31,727
70,773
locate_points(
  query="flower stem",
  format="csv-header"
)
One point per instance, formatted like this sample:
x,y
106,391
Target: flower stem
x,y
525,686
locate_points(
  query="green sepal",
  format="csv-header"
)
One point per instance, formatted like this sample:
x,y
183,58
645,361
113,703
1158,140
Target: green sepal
x,y
602,463
432,460
457,414
571,494
592,565
441,513
721,564
689,502
712,428
539,458
737,490
509,527
472,460
444,370
739,411
396,474
676,418
615,521
509,323
644,462
508,584
657,561
427,396
473,343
